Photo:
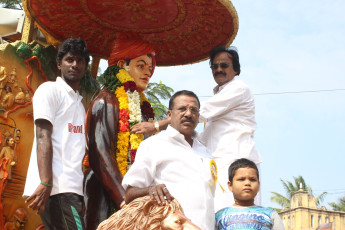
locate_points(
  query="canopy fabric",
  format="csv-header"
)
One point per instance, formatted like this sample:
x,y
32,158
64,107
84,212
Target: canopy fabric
x,y
181,31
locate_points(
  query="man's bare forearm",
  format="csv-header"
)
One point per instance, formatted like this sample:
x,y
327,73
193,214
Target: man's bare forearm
x,y
163,124
133,192
159,192
44,131
149,128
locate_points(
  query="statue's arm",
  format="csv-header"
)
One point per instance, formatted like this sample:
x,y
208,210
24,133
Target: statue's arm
x,y
101,135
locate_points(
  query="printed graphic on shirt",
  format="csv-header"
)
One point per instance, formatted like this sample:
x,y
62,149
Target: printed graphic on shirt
x,y
75,129
256,217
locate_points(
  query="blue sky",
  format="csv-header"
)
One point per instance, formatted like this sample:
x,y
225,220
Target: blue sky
x,y
288,46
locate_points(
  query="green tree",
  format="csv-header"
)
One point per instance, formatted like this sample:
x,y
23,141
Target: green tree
x,y
340,206
155,92
290,189
12,4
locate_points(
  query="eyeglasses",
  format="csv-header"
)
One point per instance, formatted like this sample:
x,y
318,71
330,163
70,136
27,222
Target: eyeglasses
x,y
183,110
222,65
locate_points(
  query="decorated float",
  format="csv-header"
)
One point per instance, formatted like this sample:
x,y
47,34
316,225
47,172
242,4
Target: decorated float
x,y
181,31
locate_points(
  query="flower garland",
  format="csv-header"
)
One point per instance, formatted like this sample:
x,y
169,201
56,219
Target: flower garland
x,y
133,106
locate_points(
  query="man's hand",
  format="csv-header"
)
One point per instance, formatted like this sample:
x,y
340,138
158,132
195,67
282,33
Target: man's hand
x,y
160,193
40,198
147,128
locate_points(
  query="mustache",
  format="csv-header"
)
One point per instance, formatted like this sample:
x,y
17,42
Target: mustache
x,y
189,119
219,73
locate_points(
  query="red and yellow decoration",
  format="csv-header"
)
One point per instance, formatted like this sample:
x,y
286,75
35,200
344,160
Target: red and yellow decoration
x,y
133,105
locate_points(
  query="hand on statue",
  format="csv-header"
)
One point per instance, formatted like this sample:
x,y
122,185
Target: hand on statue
x,y
40,198
147,128
160,193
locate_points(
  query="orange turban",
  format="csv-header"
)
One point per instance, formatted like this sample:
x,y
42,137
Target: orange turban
x,y
130,46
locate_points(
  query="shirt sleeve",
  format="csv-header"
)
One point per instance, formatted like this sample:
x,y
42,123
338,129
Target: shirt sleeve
x,y
277,222
45,102
141,173
224,101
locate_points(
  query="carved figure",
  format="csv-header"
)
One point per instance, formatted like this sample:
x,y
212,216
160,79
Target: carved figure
x,y
8,100
144,213
20,217
20,97
12,79
8,153
27,96
3,78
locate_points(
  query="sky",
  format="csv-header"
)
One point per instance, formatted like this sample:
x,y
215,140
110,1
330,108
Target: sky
x,y
288,49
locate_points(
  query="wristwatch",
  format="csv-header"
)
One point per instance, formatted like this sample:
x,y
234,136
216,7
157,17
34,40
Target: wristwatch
x,y
157,126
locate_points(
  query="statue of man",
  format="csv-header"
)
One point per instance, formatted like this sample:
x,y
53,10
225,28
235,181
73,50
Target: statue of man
x,y
111,147
9,153
8,100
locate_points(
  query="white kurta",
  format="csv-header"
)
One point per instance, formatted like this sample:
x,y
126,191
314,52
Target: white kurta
x,y
167,158
229,132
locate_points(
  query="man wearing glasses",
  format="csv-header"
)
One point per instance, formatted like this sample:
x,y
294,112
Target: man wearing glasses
x,y
174,164
229,118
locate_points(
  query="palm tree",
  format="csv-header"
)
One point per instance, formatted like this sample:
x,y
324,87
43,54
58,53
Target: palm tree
x,y
154,93
340,206
290,189
12,4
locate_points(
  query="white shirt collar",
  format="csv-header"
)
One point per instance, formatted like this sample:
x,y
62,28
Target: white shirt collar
x,y
173,133
68,88
218,88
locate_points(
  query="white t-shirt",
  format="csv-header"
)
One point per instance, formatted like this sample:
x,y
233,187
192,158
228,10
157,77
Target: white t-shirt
x,y
58,103
167,158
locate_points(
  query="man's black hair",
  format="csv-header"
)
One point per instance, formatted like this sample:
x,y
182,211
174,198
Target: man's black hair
x,y
179,93
241,163
234,56
75,46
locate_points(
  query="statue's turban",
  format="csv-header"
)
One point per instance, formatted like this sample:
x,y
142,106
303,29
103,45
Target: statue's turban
x,y
130,46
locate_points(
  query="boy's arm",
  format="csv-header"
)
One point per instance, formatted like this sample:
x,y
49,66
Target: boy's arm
x,y
149,128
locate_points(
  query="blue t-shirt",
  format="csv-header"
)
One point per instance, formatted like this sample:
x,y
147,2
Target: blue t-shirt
x,y
254,217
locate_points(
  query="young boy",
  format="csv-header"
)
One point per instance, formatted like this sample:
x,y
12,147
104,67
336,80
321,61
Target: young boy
x,y
244,214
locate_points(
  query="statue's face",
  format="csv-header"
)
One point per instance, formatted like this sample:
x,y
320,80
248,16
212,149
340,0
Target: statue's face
x,y
178,221
11,142
140,69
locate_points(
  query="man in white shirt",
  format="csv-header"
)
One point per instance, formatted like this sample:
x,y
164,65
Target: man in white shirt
x,y
174,164
54,182
229,118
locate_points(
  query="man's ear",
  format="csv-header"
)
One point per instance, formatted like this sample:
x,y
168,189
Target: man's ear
x,y
230,186
121,63
59,65
169,113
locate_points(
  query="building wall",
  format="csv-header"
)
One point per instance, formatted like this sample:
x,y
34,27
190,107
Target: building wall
x,y
309,219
